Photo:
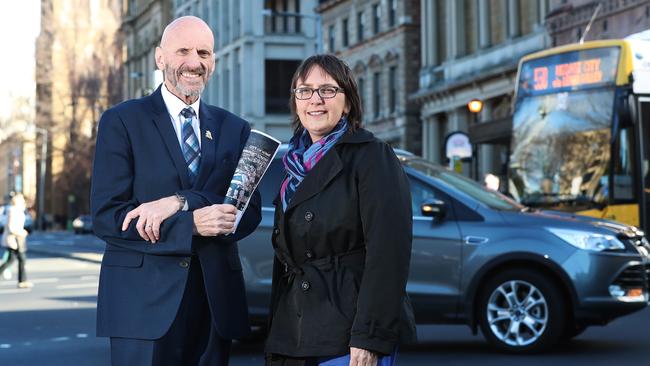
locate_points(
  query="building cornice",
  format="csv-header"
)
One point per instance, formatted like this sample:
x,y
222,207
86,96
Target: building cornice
x,y
567,16
328,5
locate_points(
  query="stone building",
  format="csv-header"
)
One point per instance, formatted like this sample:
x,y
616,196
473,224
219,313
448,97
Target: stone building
x,y
567,21
143,22
380,41
470,50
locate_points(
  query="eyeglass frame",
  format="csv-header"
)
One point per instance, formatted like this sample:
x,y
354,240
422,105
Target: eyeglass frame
x,y
337,90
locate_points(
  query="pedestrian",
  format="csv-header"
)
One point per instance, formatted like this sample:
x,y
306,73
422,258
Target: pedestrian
x,y
14,239
171,290
342,232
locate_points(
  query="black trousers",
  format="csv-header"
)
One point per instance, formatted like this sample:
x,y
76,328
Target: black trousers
x,y
191,340
13,254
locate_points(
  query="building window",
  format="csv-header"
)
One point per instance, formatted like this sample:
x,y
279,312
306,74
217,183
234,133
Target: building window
x,y
278,74
360,26
392,12
376,91
605,25
346,40
392,88
376,16
331,38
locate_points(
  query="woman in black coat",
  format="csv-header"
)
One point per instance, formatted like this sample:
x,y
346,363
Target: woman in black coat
x,y
342,233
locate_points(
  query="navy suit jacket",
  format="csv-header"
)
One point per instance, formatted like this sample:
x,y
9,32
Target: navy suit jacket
x,y
138,159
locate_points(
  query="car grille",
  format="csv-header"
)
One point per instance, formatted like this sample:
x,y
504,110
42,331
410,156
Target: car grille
x,y
634,276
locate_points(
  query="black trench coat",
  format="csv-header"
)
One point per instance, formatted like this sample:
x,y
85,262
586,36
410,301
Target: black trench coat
x,y
342,255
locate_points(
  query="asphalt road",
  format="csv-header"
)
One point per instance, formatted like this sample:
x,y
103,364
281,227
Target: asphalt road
x,y
53,323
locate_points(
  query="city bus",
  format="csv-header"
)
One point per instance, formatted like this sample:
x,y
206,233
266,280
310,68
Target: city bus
x,y
581,130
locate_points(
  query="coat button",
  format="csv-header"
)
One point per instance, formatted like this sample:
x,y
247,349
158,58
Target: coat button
x,y
276,231
184,263
309,215
309,254
305,285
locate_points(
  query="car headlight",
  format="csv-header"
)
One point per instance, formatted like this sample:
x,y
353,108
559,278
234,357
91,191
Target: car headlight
x,y
588,240
77,223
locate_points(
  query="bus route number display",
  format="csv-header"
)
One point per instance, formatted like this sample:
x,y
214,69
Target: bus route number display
x,y
569,71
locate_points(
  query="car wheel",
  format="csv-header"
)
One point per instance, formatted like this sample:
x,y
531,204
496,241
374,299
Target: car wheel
x,y
521,311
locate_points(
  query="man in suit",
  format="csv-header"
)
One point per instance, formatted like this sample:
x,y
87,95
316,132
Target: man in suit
x,y
171,289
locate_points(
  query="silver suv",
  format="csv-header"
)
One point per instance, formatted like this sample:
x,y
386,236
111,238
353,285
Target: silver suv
x,y
526,278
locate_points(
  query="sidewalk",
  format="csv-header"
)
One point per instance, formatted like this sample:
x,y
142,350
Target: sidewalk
x,y
66,244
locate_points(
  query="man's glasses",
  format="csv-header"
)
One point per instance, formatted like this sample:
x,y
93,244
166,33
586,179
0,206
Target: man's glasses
x,y
325,92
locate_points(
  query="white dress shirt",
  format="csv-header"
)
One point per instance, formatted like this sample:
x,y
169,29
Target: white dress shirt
x,y
174,107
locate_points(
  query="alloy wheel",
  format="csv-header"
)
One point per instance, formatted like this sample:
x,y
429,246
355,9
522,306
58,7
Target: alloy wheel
x,y
517,313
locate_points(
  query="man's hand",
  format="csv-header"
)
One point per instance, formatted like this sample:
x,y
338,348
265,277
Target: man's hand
x,y
214,220
150,215
362,357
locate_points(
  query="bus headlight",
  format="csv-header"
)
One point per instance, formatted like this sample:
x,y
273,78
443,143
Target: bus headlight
x,y
588,240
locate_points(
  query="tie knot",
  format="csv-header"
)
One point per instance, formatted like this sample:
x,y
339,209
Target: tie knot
x,y
188,112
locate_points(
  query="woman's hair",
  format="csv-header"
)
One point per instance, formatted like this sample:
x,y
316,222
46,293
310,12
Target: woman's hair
x,y
18,200
341,73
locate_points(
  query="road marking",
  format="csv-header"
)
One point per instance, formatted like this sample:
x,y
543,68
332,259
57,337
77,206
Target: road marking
x,y
5,345
73,286
60,339
89,278
16,291
45,280
82,335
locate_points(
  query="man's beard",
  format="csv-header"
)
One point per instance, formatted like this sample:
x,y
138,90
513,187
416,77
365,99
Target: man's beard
x,y
174,78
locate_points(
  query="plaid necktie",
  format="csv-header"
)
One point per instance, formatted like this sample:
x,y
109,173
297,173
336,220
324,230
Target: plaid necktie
x,y
190,145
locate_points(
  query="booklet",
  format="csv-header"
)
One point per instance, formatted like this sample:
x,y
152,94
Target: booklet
x,y
258,154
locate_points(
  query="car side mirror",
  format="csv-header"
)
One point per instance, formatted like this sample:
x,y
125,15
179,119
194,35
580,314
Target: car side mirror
x,y
433,208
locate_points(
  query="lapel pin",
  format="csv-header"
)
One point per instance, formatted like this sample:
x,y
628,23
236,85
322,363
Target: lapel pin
x,y
208,135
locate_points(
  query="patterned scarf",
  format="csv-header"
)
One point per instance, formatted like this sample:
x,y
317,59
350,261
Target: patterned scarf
x,y
303,156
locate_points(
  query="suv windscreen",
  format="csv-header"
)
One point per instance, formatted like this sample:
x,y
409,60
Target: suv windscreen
x,y
492,199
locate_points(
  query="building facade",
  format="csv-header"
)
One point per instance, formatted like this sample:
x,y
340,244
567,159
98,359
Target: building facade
x,y
380,41
470,50
78,75
143,22
567,21
258,46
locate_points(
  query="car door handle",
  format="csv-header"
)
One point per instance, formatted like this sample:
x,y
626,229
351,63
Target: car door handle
x,y
475,240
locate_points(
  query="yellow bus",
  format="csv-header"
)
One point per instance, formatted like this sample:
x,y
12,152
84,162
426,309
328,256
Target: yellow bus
x,y
581,130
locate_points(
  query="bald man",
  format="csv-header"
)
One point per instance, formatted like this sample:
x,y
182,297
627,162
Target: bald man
x,y
171,290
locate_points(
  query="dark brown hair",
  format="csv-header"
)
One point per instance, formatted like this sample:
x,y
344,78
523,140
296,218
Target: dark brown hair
x,y
341,73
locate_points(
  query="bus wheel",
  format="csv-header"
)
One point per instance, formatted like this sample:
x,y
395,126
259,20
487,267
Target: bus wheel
x,y
521,311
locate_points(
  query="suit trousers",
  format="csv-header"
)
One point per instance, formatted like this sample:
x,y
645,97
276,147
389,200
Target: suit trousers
x,y
191,340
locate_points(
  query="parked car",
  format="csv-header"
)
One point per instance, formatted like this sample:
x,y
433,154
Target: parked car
x,y
527,278
29,221
83,224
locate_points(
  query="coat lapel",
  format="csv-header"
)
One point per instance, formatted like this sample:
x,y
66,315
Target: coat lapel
x,y
324,171
166,130
210,132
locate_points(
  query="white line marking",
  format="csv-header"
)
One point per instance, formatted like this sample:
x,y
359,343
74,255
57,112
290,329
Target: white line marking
x,y
73,286
16,291
5,345
60,339
89,278
45,280
82,335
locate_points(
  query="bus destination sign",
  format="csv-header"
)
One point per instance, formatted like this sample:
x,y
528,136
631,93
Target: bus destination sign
x,y
569,71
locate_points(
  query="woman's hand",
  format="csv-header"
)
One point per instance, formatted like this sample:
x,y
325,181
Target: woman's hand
x,y
362,357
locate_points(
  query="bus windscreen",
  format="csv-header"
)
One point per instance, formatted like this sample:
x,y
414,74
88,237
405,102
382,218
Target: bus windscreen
x,y
568,71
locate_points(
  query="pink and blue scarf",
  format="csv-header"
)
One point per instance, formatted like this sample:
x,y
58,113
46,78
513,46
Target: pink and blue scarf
x,y
303,156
